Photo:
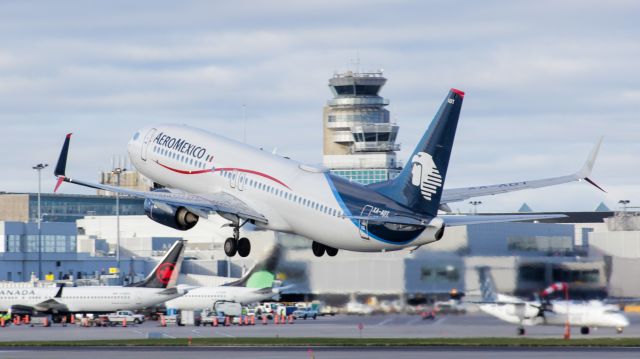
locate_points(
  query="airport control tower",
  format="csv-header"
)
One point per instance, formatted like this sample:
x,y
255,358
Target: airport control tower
x,y
359,139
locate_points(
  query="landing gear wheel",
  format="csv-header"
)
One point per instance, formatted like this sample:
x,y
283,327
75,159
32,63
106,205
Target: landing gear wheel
x,y
584,330
230,247
244,247
331,252
521,331
318,249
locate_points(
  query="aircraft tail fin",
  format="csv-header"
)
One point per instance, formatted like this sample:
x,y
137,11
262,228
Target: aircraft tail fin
x,y
165,274
487,285
419,185
262,275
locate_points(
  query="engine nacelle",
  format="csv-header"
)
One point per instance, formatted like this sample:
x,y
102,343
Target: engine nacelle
x,y
171,216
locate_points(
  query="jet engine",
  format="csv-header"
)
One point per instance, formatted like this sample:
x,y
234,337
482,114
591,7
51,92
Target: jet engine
x,y
171,216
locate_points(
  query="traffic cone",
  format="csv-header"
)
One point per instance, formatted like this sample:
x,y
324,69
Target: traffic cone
x,y
226,321
290,319
64,321
253,320
163,322
215,321
73,319
283,319
189,342
124,322
246,320
26,319
45,322
2,324
567,331
240,321
264,320
17,320
276,319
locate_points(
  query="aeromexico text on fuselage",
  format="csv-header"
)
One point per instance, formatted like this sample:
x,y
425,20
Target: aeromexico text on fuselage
x,y
180,145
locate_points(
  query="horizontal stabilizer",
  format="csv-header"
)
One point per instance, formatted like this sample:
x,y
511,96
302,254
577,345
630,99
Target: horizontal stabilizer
x,y
462,220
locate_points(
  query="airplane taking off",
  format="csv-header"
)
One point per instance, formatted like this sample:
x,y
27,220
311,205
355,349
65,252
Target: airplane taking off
x,y
202,173
158,287
514,310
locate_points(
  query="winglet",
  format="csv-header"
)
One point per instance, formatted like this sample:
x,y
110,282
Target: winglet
x,y
62,163
62,160
585,171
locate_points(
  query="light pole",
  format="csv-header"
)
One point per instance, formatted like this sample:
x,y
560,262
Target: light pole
x,y
624,203
39,167
475,205
117,171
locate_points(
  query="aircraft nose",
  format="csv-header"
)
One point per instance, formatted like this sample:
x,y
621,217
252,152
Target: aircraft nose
x,y
623,321
134,144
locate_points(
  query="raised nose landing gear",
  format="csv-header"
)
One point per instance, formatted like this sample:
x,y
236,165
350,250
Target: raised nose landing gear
x,y
235,244
320,249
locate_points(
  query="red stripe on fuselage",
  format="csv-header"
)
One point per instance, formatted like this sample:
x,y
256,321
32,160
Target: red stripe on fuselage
x,y
183,171
252,172
225,169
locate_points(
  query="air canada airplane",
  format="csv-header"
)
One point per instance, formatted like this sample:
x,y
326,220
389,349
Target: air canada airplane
x,y
515,310
201,173
159,286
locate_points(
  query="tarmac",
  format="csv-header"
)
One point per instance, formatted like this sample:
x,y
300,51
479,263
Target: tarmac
x,y
340,326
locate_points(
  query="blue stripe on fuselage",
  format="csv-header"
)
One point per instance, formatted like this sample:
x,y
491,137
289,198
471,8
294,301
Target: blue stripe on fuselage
x,y
356,202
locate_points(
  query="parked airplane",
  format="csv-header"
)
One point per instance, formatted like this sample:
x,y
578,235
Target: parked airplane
x,y
257,285
515,310
158,287
202,173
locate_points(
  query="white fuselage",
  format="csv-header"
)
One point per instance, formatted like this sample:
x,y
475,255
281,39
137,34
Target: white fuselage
x,y
582,314
293,197
205,297
82,299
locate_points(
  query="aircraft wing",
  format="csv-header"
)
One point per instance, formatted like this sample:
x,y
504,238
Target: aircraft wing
x,y
200,204
462,220
460,194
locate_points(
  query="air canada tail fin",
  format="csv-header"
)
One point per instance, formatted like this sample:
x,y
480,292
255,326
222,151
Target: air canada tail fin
x,y
419,185
165,274
487,286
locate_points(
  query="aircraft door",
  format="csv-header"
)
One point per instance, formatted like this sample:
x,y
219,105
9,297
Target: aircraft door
x,y
233,179
364,224
145,144
242,179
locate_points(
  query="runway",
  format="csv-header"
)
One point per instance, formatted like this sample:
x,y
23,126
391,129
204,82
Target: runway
x,y
316,353
340,326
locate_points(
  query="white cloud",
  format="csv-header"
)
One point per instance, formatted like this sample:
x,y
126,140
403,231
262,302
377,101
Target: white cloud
x,y
543,80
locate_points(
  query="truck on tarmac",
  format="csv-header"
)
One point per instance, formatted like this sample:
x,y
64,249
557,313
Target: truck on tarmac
x,y
120,316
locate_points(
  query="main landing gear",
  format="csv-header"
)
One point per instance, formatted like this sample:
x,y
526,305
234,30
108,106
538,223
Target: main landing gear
x,y
521,331
319,250
235,244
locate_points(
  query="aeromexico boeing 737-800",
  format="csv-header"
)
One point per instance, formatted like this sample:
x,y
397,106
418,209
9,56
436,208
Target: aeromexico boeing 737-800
x,y
202,173
158,287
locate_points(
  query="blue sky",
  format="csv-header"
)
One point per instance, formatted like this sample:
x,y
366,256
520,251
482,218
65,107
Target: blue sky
x,y
544,80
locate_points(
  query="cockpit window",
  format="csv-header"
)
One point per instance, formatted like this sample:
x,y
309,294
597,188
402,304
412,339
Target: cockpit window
x,y
136,135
